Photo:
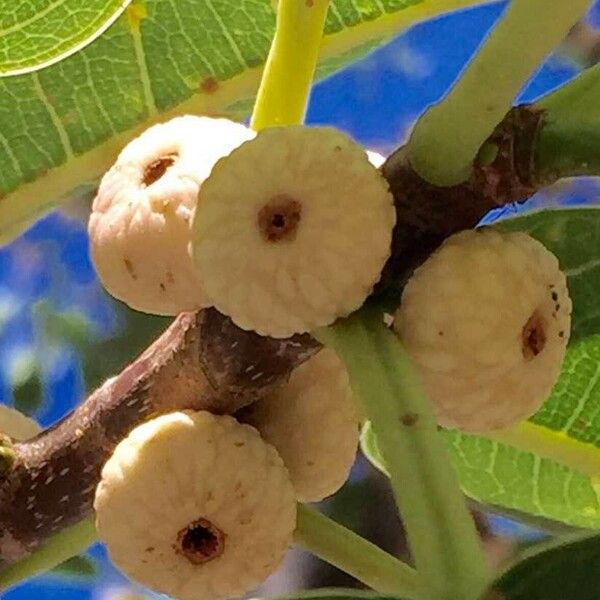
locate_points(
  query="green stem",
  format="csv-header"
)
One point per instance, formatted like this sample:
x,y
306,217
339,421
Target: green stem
x,y
59,548
447,138
290,68
443,539
564,151
353,554
568,142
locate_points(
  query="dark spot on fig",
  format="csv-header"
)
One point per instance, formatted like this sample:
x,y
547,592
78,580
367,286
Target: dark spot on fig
x,y
200,542
409,419
130,269
278,219
157,168
533,336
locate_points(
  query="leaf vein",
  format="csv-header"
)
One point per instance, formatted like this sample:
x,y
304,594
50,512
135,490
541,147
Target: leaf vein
x,y
233,45
583,268
63,136
99,102
140,59
11,154
582,401
38,16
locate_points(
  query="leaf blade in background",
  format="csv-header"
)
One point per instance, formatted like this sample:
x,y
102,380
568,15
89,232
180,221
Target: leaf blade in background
x,y
571,234
65,125
562,570
36,34
512,480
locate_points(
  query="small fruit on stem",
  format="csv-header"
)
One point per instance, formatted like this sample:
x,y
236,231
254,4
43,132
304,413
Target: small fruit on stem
x,y
486,319
140,222
196,506
292,230
313,423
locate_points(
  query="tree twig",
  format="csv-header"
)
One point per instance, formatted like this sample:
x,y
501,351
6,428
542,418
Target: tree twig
x,y
201,362
504,173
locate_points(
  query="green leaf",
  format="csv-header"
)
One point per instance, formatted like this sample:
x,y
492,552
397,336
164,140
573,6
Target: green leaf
x,y
36,34
81,566
506,477
338,594
571,234
370,447
512,480
562,570
63,126
572,410
548,466
571,414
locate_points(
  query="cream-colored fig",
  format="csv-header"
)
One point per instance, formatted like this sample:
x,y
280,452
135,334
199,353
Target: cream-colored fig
x,y
313,423
195,505
292,230
487,319
140,223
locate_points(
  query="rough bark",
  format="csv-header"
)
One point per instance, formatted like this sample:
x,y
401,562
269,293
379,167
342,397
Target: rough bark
x,y
201,362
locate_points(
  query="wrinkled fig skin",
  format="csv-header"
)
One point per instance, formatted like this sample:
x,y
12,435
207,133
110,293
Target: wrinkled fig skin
x,y
202,362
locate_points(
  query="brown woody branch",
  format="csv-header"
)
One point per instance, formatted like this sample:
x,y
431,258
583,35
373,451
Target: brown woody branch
x,y
201,362
426,214
204,362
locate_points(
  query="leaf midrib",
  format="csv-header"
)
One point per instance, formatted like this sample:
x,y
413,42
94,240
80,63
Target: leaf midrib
x,y
553,444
